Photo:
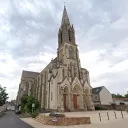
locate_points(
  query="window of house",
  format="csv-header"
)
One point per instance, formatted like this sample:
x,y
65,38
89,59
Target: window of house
x,y
96,97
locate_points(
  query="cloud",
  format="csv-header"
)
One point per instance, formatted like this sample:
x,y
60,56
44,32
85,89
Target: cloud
x,y
29,31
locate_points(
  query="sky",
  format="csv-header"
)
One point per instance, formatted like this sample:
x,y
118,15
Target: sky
x,y
29,39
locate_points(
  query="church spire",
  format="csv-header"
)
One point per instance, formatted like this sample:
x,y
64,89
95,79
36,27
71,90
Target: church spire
x,y
66,32
65,19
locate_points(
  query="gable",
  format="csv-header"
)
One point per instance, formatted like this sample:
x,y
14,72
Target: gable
x,y
65,82
104,90
76,82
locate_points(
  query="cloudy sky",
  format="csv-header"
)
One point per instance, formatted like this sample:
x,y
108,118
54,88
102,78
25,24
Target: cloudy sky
x,y
28,39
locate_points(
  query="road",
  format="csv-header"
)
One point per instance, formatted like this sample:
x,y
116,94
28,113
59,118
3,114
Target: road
x,y
10,120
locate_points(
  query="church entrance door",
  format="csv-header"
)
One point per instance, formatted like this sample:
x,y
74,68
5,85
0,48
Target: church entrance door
x,y
75,101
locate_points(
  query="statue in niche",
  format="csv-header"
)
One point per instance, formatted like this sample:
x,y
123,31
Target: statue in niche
x,y
71,53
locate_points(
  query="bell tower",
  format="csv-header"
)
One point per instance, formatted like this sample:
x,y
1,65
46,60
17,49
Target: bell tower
x,y
67,49
66,32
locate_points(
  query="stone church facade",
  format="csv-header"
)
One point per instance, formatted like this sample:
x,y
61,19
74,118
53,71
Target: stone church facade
x,y
63,85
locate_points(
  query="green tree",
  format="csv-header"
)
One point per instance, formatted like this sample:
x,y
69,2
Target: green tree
x,y
126,95
3,95
26,104
117,95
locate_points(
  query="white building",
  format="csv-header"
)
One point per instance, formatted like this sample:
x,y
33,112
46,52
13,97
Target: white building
x,y
101,96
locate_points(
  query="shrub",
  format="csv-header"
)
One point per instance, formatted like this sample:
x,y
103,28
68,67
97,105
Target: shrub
x,y
26,105
100,108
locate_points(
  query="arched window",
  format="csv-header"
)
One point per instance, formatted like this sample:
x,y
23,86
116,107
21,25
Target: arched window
x,y
45,77
71,52
38,81
41,78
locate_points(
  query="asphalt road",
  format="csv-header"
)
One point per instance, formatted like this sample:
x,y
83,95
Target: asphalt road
x,y
10,120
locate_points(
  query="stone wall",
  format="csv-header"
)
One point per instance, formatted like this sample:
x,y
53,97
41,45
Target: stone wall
x,y
63,121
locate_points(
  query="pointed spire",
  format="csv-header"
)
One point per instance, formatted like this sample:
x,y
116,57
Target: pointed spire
x,y
65,19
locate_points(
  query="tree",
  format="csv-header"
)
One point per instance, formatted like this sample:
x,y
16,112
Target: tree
x,y
3,95
126,95
26,104
117,95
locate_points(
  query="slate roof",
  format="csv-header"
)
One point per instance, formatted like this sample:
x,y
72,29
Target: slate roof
x,y
29,74
97,90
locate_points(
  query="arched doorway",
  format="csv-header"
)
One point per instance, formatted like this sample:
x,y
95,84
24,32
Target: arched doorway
x,y
77,97
66,98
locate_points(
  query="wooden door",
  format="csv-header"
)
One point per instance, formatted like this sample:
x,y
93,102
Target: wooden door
x,y
75,101
64,101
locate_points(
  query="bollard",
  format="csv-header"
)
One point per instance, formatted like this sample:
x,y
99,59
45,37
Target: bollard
x,y
122,114
108,115
115,114
100,116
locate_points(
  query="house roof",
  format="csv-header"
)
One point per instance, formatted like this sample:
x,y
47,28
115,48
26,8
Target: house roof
x,y
97,90
29,74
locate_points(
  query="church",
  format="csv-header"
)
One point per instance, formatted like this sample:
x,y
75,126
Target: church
x,y
63,85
